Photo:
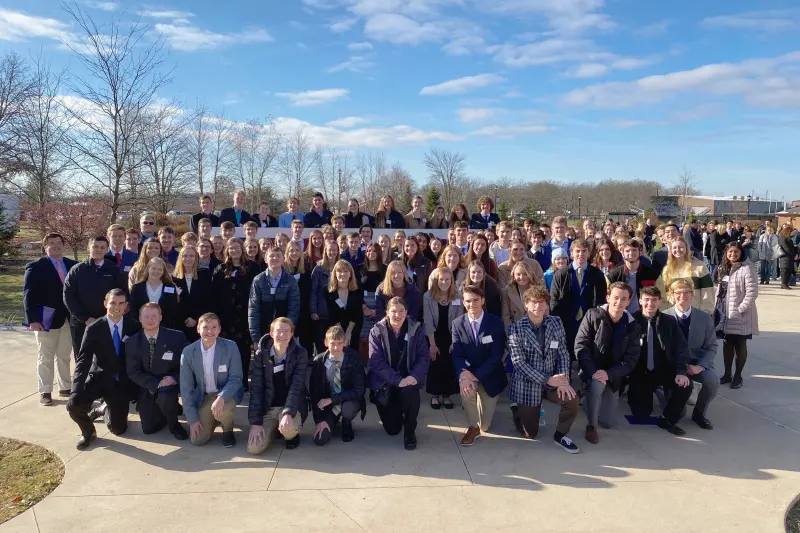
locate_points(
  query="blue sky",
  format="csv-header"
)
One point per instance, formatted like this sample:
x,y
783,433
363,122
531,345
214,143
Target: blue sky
x,y
570,90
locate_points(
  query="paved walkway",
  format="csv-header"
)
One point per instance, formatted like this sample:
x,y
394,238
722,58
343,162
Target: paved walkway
x,y
739,477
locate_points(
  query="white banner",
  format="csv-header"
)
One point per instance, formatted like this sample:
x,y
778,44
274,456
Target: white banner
x,y
271,232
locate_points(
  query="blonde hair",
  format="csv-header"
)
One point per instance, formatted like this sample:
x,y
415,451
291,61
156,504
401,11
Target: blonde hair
x,y
386,286
447,250
139,268
179,270
528,270
333,283
300,267
436,292
166,279
328,264
673,270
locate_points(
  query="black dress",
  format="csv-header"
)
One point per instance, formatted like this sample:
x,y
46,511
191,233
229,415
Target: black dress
x,y
442,380
231,296
303,330
368,283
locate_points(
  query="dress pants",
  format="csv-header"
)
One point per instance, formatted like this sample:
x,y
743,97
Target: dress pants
x,y
113,394
642,386
159,409
480,408
709,382
402,410
601,404
271,421
210,422
77,331
529,414
350,410
54,349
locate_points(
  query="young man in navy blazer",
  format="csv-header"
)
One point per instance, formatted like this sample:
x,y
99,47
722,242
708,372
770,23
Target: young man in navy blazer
x,y
478,343
236,214
47,316
117,252
100,370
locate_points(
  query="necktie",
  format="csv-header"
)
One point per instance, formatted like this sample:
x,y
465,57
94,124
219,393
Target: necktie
x,y
152,341
650,357
118,256
486,218
117,339
62,273
337,384
475,331
579,274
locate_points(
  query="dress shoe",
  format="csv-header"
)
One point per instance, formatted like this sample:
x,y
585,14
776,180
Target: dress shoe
x,y
46,399
724,380
447,403
737,382
228,440
85,441
347,431
435,404
64,393
671,428
469,437
591,434
178,432
702,421
292,444
410,442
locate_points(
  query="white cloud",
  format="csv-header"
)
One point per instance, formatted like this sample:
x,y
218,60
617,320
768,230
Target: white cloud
x,y
314,98
363,137
105,6
656,29
347,122
566,16
353,64
188,38
359,47
342,25
508,132
399,29
767,21
475,114
17,26
597,69
770,83
166,14
699,112
546,52
463,85
626,124
589,70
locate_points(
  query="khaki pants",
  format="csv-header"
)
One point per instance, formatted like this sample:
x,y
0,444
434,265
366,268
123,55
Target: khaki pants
x,y
210,422
480,408
54,345
271,421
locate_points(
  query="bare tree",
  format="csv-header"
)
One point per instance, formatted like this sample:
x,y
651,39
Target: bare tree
x,y
199,141
297,162
123,73
43,139
255,154
220,156
335,175
368,173
397,182
685,187
16,88
165,153
446,171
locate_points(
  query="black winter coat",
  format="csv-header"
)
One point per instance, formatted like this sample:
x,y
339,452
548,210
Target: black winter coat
x,y
262,389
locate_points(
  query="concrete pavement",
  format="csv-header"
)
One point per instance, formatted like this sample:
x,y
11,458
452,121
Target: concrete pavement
x,y
739,477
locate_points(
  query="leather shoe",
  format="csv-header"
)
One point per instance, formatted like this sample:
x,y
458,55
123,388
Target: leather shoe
x,y
64,393
85,441
228,440
702,421
671,428
347,431
469,437
724,380
178,432
410,442
291,444
736,383
591,434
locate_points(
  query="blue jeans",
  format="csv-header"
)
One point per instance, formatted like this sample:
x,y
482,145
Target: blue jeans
x,y
766,269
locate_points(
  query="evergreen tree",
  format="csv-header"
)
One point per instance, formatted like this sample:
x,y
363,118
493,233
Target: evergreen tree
x,y
432,199
404,202
503,210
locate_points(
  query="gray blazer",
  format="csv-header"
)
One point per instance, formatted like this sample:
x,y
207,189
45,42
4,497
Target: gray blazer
x,y
430,313
227,374
702,337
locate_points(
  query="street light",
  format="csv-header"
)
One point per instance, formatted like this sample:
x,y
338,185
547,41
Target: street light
x,y
749,197
496,199
579,206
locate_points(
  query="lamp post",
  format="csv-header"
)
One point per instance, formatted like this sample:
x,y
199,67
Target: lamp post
x,y
496,199
749,197
579,206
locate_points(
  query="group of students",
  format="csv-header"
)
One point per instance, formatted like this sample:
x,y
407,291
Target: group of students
x,y
325,322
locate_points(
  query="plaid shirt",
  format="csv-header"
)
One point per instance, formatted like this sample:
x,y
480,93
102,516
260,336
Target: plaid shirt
x,y
532,369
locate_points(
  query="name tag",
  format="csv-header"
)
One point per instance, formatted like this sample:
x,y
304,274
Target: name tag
x,y
272,290
223,368
424,221
491,224
457,301
169,290
553,345
486,339
340,303
328,363
388,222
406,339
233,274
278,368
367,293
641,341
127,268
167,356
180,291
124,338
726,279
297,276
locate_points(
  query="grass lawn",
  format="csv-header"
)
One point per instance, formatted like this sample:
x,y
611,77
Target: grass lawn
x,y
29,473
11,294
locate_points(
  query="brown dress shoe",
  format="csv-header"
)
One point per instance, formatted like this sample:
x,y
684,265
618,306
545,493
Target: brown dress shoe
x,y
469,437
591,434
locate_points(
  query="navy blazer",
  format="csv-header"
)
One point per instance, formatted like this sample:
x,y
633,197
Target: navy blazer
x,y
478,222
127,260
271,221
42,286
168,303
147,373
97,358
229,215
483,359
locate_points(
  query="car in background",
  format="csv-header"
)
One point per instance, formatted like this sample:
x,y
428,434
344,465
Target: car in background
x,y
178,213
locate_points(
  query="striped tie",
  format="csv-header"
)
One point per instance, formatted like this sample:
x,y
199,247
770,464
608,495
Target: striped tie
x,y
337,384
579,274
152,341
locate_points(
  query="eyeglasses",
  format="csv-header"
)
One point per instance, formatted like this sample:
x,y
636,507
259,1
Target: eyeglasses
x,y
147,223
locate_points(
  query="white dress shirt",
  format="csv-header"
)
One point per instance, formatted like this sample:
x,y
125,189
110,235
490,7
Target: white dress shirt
x,y
208,367
111,325
682,315
474,329
188,279
154,294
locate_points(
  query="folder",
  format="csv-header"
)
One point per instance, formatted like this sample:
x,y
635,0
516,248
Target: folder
x,y
47,316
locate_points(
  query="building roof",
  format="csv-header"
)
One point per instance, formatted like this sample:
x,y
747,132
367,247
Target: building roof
x,y
729,198
792,211
702,211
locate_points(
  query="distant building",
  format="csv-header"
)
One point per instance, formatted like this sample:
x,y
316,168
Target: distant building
x,y
10,205
791,215
729,206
